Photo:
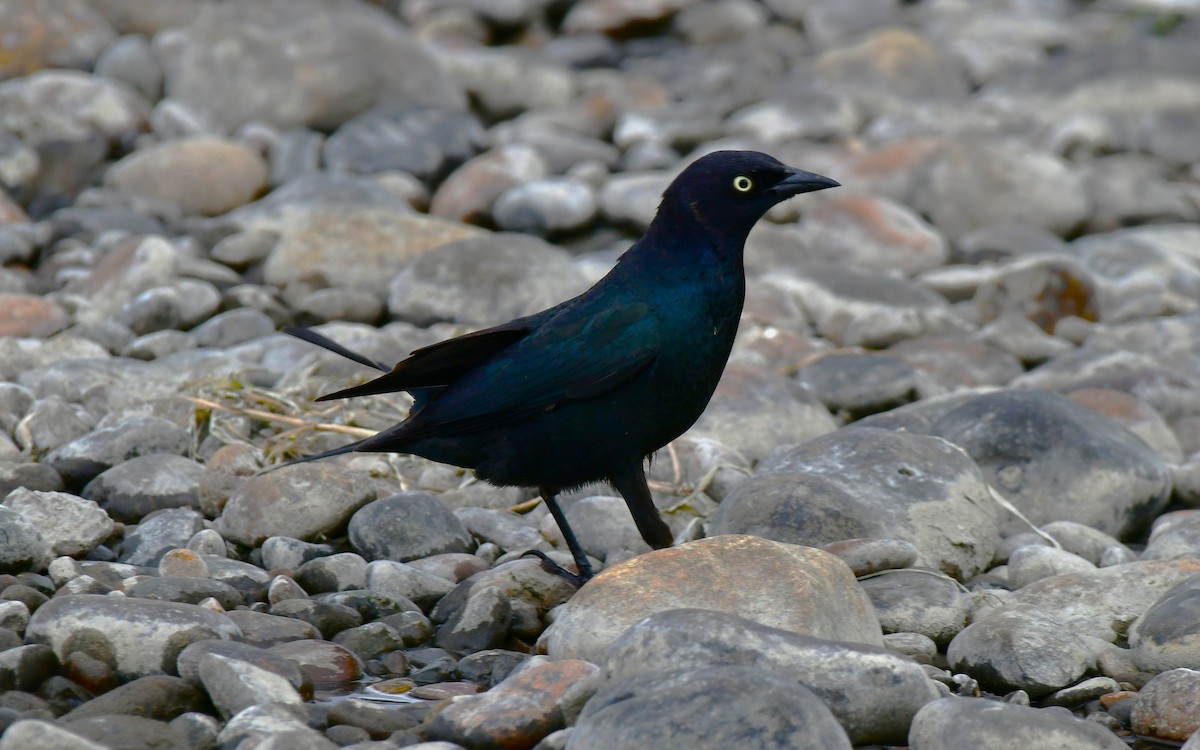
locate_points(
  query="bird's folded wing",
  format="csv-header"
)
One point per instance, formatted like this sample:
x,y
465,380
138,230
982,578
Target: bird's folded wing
x,y
575,357
442,363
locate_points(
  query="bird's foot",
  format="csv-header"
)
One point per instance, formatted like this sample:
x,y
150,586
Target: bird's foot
x,y
575,579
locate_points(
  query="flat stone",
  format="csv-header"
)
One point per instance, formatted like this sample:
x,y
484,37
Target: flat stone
x,y
334,62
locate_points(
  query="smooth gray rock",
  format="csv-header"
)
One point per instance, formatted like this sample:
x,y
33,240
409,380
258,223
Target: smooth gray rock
x,y
1167,635
190,658
339,572
158,534
872,692
159,697
853,307
976,722
234,685
755,412
1034,562
481,623
303,501
707,708
142,636
785,586
483,281
144,484
861,384
399,581
82,460
862,482
1057,460
334,60
38,734
919,601
406,527
1020,648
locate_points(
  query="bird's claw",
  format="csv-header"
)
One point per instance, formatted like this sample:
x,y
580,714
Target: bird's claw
x,y
575,579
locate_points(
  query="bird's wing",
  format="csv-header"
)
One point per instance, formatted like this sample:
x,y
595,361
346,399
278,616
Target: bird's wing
x,y
575,356
442,363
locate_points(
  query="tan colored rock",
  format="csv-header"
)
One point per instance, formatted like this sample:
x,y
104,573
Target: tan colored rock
x,y
202,175
799,589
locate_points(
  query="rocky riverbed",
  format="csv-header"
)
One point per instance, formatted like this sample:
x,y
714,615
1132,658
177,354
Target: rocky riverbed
x,y
946,495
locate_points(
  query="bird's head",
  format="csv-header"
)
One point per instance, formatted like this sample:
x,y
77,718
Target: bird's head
x,y
728,191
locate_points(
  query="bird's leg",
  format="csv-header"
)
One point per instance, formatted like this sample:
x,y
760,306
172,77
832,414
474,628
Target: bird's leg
x,y
632,486
581,562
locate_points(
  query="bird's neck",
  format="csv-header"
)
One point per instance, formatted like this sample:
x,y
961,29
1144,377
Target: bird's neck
x,y
683,244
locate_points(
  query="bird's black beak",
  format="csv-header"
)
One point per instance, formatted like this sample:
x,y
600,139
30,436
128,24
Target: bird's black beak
x,y
798,181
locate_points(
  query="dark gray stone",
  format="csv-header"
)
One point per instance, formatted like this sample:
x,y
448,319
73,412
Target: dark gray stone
x,y
84,459
1167,635
407,526
709,707
952,723
1057,460
1020,648
164,531
481,623
144,484
862,482
872,692
918,601
159,697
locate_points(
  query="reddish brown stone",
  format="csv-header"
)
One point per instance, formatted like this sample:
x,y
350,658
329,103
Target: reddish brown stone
x,y
32,317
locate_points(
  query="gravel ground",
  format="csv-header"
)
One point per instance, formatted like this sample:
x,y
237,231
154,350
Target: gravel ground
x,y
947,494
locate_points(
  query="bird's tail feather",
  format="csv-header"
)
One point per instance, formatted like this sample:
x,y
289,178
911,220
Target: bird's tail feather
x,y
316,456
312,337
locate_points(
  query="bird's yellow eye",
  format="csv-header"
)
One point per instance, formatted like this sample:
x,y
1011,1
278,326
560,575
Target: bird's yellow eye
x,y
742,183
